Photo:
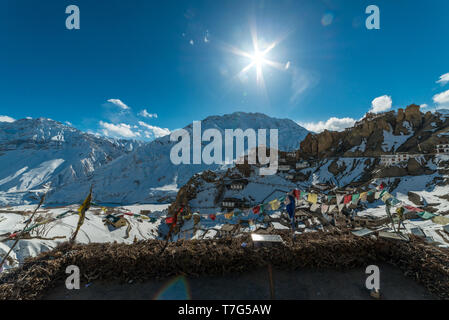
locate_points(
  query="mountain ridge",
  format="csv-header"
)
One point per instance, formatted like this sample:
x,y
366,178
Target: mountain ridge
x,y
120,170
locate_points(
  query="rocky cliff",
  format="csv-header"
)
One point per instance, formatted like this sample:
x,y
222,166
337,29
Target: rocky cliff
x,y
407,130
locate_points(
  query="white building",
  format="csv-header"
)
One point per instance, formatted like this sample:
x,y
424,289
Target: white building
x,y
237,186
393,159
228,204
442,148
302,165
284,167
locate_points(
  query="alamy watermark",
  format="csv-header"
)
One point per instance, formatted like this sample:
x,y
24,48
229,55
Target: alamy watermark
x,y
373,280
73,280
373,20
212,153
73,20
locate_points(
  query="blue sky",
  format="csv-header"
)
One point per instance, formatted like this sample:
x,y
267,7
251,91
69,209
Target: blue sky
x,y
177,60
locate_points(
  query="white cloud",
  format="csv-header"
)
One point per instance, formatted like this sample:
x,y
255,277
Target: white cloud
x,y
333,124
119,104
381,104
441,98
6,119
444,79
156,131
121,130
424,105
146,114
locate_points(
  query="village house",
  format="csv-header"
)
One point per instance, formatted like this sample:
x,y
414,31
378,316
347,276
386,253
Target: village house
x,y
291,155
233,203
394,159
302,165
236,184
115,221
442,149
284,167
319,187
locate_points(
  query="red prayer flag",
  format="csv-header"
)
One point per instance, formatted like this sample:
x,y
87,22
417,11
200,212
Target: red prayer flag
x,y
169,220
212,217
256,210
413,209
347,199
296,192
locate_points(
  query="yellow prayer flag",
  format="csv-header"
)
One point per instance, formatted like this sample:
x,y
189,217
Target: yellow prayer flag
x,y
363,196
229,215
275,204
82,213
386,196
313,198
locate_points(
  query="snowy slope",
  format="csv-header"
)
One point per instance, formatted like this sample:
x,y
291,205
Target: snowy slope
x,y
148,174
94,230
34,152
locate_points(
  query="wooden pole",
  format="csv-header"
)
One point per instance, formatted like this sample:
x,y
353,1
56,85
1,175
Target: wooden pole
x,y
21,233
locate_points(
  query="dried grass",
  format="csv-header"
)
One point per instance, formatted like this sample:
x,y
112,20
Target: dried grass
x,y
154,259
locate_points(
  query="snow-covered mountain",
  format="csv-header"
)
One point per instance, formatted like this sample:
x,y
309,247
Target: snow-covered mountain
x,y
147,174
34,152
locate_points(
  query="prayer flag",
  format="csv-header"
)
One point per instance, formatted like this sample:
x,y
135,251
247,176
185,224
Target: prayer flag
x,y
312,198
340,207
297,193
229,215
413,209
82,213
426,215
386,196
324,208
169,220
440,220
275,204
339,198
363,196
347,199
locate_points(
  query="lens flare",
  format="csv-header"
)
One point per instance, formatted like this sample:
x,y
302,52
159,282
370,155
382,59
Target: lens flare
x,y
176,289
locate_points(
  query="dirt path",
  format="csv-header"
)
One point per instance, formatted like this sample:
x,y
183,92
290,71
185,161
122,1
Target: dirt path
x,y
299,284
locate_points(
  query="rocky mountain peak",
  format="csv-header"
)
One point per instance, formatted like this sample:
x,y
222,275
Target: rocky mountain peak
x,y
406,130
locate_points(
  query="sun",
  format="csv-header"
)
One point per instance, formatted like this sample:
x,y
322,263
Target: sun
x,y
258,59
